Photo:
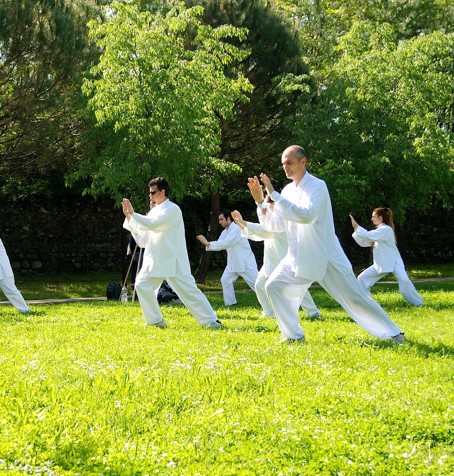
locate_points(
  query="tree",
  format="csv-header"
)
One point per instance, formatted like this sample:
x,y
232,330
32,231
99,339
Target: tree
x,y
253,138
160,91
390,128
382,112
43,53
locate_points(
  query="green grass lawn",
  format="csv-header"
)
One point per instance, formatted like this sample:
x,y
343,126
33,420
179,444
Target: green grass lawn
x,y
87,390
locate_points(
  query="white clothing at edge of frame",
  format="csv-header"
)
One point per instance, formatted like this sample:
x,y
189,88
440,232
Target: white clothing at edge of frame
x,y
7,283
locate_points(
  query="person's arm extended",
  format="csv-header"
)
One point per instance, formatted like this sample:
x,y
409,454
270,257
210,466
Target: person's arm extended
x,y
379,234
226,240
307,213
161,220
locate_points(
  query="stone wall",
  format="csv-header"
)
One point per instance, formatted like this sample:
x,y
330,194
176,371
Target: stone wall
x,y
65,235
80,234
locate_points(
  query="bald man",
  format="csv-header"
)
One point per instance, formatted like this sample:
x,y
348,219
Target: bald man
x,y
303,210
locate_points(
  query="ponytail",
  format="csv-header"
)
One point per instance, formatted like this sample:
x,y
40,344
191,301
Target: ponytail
x,y
388,219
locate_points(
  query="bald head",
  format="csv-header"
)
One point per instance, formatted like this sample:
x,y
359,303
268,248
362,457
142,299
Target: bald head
x,y
295,151
294,162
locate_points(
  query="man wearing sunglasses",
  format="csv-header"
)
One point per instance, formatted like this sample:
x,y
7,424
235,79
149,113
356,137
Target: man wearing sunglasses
x,y
161,233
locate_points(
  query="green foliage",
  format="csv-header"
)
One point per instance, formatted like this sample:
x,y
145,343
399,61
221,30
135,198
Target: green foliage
x,y
380,130
396,101
43,52
160,87
87,389
256,134
209,97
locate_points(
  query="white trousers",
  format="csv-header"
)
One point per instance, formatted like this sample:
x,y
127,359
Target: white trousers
x,y
229,277
8,286
184,285
370,276
284,290
307,303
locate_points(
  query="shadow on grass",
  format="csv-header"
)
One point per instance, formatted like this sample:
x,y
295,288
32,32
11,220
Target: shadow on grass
x,y
438,349
429,350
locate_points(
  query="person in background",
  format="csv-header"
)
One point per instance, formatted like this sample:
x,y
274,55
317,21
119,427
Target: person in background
x,y
303,209
134,256
161,233
387,258
275,247
7,284
240,258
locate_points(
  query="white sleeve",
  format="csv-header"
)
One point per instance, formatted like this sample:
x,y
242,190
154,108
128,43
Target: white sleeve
x,y
364,242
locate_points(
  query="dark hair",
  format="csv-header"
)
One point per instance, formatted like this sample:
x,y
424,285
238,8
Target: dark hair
x,y
161,184
387,215
227,214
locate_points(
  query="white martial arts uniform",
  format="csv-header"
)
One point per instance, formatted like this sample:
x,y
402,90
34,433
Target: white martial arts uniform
x,y
275,248
315,254
240,261
387,259
161,233
7,284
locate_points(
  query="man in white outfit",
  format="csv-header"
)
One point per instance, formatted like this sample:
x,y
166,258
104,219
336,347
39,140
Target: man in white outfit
x,y
7,284
240,258
275,248
161,233
303,210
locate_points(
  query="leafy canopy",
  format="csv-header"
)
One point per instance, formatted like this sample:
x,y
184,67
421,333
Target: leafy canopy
x,y
160,91
43,52
381,128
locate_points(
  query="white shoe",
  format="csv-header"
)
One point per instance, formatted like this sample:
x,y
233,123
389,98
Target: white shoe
x,y
316,316
399,338
288,340
271,316
214,325
162,324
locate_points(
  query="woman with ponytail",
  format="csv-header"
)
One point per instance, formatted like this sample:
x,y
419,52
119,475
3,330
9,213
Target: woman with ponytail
x,y
386,256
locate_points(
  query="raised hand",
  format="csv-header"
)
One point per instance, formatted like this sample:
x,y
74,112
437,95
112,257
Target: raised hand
x,y
255,189
238,219
202,240
267,182
128,209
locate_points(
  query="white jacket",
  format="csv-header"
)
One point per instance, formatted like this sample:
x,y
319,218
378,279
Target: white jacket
x,y
304,211
161,233
239,254
275,244
385,251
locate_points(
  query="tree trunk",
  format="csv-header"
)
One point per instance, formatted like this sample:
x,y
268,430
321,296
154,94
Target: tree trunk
x,y
205,258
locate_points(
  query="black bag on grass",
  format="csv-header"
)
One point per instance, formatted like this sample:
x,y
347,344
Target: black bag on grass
x,y
113,291
166,293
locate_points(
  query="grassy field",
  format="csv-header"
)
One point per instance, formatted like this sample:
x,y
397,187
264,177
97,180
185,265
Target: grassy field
x,y
93,284
87,390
